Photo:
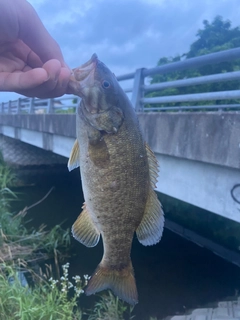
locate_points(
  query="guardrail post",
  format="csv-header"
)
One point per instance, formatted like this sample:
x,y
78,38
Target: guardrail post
x,y
18,105
50,106
9,106
31,105
137,92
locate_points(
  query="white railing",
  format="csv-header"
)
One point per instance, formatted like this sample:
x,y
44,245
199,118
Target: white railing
x,y
68,103
64,104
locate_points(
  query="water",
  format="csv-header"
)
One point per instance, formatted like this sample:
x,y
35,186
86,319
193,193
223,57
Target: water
x,y
172,276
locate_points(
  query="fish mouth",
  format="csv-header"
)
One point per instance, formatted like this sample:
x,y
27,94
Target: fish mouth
x,y
83,72
93,59
82,79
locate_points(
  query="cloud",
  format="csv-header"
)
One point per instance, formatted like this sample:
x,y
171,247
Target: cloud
x,y
128,34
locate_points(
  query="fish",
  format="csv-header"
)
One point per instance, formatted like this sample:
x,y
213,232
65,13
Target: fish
x,y
119,173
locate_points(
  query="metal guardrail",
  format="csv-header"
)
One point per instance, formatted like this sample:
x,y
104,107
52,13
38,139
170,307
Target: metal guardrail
x,y
65,104
68,103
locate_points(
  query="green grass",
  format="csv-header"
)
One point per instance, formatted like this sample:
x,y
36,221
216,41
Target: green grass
x,y
110,307
46,300
54,299
18,242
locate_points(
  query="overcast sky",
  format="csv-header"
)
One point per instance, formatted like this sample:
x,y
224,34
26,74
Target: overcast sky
x,y
127,34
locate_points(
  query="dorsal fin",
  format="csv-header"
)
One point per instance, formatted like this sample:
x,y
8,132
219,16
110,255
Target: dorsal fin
x,y
74,159
153,166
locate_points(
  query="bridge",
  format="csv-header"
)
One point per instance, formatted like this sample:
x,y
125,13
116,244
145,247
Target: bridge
x,y
198,152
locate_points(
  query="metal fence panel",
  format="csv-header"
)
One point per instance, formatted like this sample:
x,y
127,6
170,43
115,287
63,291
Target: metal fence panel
x,y
67,102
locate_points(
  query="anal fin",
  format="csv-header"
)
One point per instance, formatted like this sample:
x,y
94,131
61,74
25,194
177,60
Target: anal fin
x,y
84,229
74,159
150,230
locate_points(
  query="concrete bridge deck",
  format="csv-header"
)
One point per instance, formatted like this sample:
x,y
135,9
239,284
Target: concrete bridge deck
x,y
199,153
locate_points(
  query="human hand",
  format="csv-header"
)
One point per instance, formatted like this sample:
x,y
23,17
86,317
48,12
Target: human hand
x,y
31,62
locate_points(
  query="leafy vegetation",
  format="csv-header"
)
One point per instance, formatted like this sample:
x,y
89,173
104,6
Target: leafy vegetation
x,y
66,111
46,300
16,241
53,299
109,308
216,36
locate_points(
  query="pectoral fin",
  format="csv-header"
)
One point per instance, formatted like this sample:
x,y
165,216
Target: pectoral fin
x,y
84,229
74,159
150,230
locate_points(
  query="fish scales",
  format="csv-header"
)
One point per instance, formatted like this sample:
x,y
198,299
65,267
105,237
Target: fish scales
x,y
115,166
116,194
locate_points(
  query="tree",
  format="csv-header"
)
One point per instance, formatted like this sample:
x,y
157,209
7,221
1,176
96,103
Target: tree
x,y
215,36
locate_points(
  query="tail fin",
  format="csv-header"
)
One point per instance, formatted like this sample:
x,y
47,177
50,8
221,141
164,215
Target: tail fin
x,y
121,282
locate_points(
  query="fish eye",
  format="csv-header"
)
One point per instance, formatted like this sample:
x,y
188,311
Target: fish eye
x,y
105,84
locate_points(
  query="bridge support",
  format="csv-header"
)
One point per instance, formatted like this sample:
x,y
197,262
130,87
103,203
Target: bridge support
x,y
199,153
201,184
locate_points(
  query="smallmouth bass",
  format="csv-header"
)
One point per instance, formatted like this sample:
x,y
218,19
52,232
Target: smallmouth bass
x,y
118,172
